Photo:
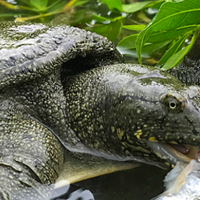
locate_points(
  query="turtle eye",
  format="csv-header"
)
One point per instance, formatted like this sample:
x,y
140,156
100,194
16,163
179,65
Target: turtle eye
x,y
174,102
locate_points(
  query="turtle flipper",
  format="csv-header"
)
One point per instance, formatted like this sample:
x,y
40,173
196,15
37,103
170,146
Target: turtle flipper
x,y
31,159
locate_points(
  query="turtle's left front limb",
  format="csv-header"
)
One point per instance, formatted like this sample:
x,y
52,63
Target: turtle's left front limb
x,y
31,159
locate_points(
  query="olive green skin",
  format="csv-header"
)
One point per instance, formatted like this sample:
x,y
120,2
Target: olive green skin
x,y
116,109
33,105
64,89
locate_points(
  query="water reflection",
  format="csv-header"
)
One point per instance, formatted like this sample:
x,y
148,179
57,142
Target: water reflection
x,y
71,192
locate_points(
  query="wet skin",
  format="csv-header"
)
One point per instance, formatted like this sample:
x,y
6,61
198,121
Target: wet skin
x,y
129,105
66,97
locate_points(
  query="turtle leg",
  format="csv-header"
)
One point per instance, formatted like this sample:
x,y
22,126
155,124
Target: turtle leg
x,y
31,158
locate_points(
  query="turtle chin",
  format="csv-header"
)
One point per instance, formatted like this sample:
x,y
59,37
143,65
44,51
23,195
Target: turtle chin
x,y
172,153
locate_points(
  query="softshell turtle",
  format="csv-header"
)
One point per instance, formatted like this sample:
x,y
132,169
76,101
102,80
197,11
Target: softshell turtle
x,y
70,109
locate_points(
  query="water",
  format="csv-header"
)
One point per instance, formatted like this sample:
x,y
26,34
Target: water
x,y
142,183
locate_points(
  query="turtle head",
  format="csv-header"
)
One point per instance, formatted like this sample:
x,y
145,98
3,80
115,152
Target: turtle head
x,y
136,113
155,116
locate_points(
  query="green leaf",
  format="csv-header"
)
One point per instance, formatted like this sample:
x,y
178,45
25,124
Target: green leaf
x,y
172,34
81,17
148,49
135,27
41,5
106,20
175,59
26,2
80,2
8,15
128,42
134,7
156,4
57,5
111,30
177,46
113,4
54,4
101,19
171,17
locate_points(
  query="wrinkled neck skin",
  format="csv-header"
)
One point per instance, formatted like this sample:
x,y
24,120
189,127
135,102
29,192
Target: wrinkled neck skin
x,y
114,110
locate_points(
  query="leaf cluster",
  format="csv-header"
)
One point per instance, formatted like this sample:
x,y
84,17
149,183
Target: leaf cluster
x,y
111,25
38,9
175,23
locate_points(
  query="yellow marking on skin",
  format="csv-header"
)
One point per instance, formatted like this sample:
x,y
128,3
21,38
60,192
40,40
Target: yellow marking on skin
x,y
166,163
153,139
120,133
11,177
137,148
173,142
138,134
113,129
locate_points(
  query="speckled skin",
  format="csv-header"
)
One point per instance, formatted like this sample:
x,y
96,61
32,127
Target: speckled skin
x,y
126,105
66,89
31,58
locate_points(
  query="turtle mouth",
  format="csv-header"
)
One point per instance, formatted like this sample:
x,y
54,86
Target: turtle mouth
x,y
172,153
184,152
